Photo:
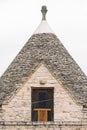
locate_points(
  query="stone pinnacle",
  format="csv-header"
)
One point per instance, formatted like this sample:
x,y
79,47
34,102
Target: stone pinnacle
x,y
44,11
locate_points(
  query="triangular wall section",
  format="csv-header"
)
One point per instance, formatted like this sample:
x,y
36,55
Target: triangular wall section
x,y
19,108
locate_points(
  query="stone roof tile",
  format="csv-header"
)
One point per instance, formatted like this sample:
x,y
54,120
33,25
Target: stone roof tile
x,y
48,49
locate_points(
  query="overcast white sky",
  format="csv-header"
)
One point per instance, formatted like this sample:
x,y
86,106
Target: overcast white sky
x,y
20,18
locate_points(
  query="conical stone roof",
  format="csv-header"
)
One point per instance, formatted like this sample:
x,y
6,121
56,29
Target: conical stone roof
x,y
45,48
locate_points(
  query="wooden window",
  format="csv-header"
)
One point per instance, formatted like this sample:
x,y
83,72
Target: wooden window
x,y
42,104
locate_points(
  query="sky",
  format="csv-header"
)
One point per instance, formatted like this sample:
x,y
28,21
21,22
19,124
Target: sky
x,y
20,18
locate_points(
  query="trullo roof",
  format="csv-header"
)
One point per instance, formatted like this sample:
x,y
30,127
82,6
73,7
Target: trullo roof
x,y
44,47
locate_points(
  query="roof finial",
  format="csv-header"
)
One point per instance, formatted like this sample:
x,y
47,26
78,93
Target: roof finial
x,y
44,11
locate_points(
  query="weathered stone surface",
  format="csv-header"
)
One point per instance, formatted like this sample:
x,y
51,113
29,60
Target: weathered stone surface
x,y
45,48
65,108
62,73
43,126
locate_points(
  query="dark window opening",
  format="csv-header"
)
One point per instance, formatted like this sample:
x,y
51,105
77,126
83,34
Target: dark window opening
x,y
42,97
42,104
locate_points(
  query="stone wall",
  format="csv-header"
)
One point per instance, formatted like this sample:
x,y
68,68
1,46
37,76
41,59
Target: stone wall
x,y
18,107
43,126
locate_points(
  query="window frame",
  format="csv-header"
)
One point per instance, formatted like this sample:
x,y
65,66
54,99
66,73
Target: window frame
x,y
43,88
